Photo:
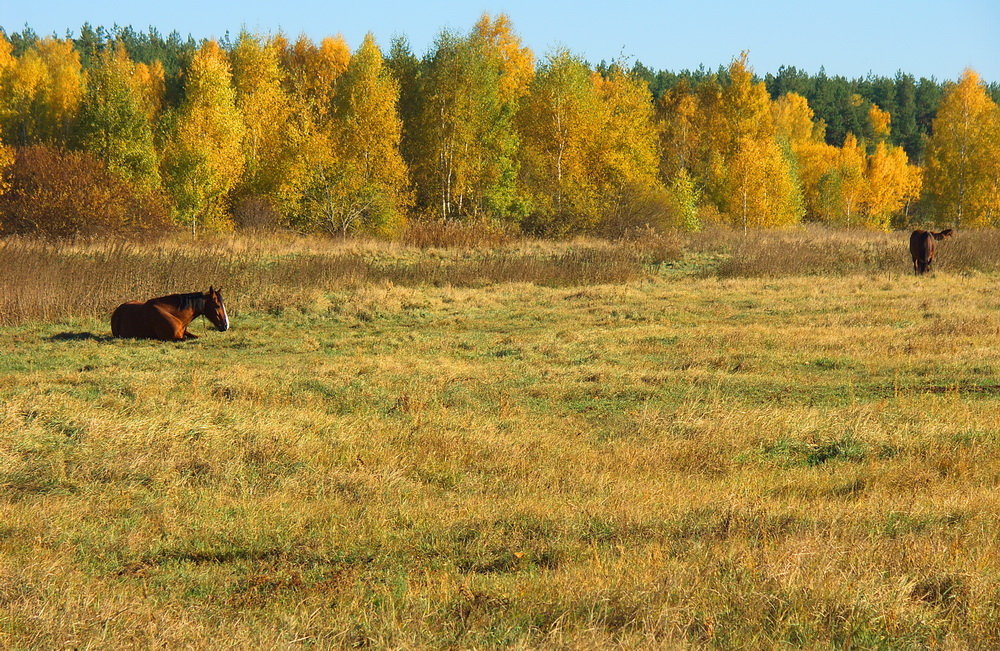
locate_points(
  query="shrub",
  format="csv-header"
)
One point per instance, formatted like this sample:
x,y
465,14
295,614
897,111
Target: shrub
x,y
57,193
439,233
638,209
812,252
256,212
651,245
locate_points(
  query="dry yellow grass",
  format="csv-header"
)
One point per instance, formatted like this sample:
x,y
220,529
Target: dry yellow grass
x,y
670,460
45,281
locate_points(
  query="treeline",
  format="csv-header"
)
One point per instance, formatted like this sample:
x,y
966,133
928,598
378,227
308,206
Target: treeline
x,y
123,130
842,104
912,102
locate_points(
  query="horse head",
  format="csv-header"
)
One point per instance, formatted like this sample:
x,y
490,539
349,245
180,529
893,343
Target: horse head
x,y
215,309
943,234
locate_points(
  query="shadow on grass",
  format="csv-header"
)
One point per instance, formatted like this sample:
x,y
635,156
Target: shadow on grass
x,y
79,336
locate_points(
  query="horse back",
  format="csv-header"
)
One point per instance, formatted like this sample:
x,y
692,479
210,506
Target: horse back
x,y
137,320
922,249
127,319
921,245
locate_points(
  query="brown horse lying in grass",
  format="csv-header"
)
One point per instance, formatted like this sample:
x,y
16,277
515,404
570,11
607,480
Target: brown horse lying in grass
x,y
167,318
922,248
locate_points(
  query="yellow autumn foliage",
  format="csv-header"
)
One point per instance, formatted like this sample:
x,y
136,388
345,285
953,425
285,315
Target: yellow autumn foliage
x,y
42,91
265,109
893,183
297,132
204,159
963,157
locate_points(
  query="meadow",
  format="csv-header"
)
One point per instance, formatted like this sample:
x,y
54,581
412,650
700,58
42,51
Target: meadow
x,y
725,441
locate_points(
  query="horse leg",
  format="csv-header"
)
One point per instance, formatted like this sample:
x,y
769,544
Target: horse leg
x,y
167,327
179,329
188,335
174,332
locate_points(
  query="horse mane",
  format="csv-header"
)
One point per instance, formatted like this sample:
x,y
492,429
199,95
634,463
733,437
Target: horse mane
x,y
194,300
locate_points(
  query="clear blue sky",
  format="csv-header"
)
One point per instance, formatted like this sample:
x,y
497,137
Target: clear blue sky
x,y
849,37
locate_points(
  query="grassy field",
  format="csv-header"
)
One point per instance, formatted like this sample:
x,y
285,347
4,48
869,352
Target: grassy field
x,y
693,450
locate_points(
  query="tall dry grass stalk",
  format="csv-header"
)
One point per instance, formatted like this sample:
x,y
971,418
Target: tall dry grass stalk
x,y
266,271
820,251
813,252
432,233
45,280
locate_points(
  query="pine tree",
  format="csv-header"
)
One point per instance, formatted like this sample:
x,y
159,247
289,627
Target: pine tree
x,y
905,132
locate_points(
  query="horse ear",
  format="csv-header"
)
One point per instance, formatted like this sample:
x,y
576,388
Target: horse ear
x,y
211,290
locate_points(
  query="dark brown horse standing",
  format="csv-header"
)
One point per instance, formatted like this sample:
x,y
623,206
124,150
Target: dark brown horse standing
x,y
922,248
167,318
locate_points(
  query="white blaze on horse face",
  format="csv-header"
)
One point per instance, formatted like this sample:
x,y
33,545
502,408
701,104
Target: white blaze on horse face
x,y
225,318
